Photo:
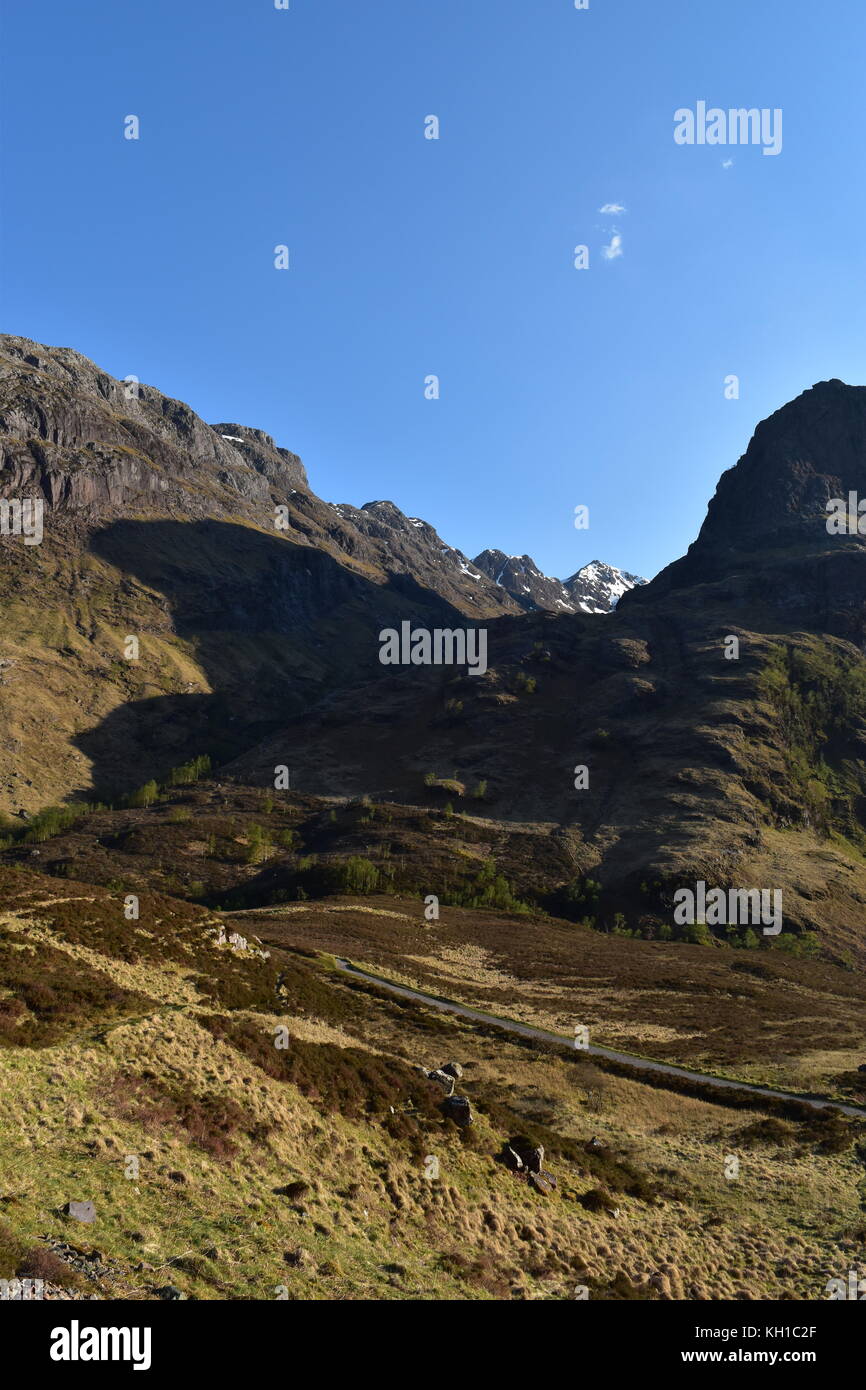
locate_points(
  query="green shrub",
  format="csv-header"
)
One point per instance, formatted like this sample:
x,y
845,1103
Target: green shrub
x,y
54,820
259,844
189,772
144,796
489,889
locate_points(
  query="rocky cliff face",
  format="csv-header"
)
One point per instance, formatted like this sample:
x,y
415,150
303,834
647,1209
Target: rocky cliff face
x,y
811,450
764,546
249,596
412,547
520,577
97,449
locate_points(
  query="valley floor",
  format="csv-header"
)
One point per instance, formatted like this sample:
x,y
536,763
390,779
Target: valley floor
x,y
224,1167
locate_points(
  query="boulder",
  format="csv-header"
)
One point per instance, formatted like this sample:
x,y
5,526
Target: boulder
x,y
531,1155
544,1183
81,1211
452,1069
511,1158
443,1079
458,1109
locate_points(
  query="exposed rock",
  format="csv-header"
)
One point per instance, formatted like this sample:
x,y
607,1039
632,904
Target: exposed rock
x,y
458,1109
443,1079
511,1158
81,1211
595,588
543,1183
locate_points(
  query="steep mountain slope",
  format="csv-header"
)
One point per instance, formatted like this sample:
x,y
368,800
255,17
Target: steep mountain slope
x,y
203,543
765,545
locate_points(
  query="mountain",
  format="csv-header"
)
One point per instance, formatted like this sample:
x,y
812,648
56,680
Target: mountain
x,y
410,546
96,448
257,609
765,544
194,620
720,711
205,543
596,588
208,539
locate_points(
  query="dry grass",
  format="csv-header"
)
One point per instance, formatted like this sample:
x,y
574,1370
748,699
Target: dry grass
x,y
262,1171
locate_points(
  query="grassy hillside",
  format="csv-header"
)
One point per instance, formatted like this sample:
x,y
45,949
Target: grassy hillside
x,y
303,1171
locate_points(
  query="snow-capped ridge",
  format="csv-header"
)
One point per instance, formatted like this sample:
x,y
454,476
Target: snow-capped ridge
x,y
594,588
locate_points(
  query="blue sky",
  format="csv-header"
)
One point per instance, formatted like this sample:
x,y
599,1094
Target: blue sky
x,y
411,257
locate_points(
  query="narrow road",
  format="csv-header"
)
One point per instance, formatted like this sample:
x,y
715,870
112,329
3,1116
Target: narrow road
x,y
639,1063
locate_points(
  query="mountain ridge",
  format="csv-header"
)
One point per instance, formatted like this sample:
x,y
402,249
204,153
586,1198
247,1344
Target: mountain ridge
x,y
594,588
260,647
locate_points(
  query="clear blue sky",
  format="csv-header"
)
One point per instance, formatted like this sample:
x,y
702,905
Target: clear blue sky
x,y
411,257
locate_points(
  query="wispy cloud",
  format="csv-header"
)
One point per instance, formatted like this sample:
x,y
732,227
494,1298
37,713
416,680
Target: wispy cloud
x,y
612,209
727,163
614,250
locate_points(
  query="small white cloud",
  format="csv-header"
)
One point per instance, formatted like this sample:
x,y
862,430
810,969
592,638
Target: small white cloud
x,y
612,209
727,163
614,250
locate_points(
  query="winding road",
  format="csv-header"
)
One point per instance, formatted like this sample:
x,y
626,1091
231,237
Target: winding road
x,y
525,1030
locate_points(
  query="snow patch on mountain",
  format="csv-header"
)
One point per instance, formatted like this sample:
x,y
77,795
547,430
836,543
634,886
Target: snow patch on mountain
x,y
595,588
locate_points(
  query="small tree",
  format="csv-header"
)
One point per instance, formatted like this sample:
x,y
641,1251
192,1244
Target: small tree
x,y
145,796
259,844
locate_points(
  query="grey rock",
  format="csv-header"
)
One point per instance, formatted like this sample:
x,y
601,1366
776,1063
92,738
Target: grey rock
x,y
543,1183
443,1079
458,1109
81,1211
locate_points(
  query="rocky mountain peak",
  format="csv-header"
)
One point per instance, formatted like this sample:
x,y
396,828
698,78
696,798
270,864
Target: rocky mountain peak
x,y
596,588
765,543
812,449
280,466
